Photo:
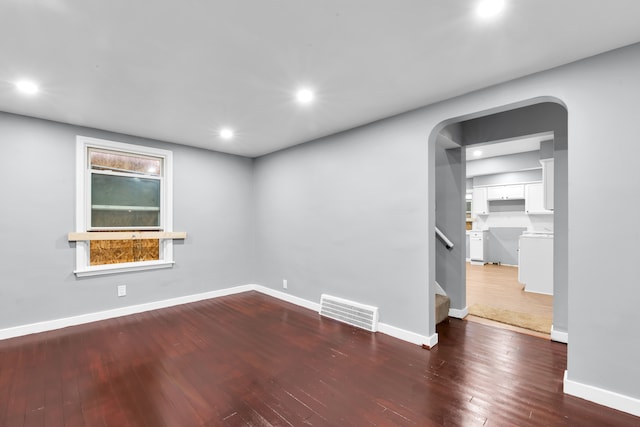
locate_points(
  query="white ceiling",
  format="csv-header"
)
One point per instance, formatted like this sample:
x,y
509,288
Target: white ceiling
x,y
179,70
506,147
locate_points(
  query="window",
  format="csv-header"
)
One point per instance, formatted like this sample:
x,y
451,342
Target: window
x,y
125,191
122,187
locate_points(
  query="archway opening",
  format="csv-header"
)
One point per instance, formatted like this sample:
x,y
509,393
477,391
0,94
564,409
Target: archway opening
x,y
505,217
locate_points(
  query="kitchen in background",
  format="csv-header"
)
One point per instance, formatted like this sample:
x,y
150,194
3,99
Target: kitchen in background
x,y
510,208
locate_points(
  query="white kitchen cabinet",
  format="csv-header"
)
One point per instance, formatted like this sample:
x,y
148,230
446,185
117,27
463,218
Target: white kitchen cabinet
x,y
477,247
535,263
506,192
534,199
547,181
479,201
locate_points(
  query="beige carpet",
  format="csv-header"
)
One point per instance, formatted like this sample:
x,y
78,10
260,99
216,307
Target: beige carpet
x,y
515,318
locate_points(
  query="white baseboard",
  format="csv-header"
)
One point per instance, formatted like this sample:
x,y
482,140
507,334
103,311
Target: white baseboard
x,y
384,328
50,325
458,313
432,340
601,396
559,336
404,335
315,306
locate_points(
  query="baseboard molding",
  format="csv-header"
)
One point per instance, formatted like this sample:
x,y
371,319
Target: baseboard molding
x,y
559,336
51,325
601,396
315,306
458,313
384,328
432,340
404,335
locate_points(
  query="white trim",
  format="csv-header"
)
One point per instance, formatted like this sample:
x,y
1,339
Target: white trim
x,y
83,143
559,336
125,208
315,306
50,325
97,270
432,340
459,313
409,336
601,396
384,328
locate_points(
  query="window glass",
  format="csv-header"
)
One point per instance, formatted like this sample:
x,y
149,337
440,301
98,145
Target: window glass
x,y
124,162
123,201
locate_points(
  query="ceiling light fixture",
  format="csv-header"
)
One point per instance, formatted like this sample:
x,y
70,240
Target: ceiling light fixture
x,y
489,8
27,87
477,153
304,96
226,133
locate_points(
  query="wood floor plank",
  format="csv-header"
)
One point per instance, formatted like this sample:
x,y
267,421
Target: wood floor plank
x,y
497,286
249,359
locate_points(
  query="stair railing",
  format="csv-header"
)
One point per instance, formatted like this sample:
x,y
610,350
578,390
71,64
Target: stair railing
x,y
447,243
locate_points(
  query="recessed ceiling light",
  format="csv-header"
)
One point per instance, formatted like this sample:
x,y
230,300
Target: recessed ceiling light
x,y
226,133
477,153
28,87
304,96
488,8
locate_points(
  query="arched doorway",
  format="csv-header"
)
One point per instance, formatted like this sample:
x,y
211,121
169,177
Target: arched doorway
x,y
536,117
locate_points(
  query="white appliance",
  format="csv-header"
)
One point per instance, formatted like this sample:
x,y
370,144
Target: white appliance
x,y
478,247
535,260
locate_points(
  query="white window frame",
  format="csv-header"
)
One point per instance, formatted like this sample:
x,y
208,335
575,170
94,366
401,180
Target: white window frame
x,y
83,201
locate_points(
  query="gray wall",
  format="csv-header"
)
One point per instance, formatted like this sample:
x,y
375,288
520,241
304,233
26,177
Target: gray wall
x,y
546,149
450,219
213,203
348,214
503,244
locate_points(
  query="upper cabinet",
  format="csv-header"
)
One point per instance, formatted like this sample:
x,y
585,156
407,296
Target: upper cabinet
x,y
479,204
534,199
547,181
535,196
505,192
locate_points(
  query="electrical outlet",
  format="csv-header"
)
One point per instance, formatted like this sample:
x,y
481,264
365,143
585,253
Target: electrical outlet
x,y
122,290
284,283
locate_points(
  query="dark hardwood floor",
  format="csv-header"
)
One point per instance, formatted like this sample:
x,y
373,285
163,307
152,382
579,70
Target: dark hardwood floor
x,y
249,359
